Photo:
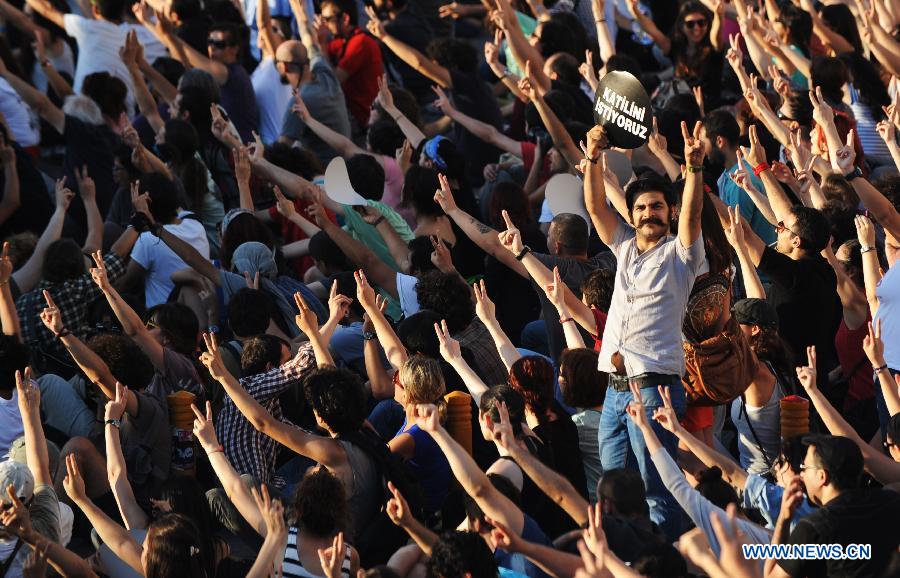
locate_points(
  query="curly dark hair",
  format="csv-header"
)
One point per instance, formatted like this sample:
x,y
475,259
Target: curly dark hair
x,y
457,554
449,296
259,352
109,92
299,161
581,383
597,288
532,376
338,397
385,137
712,487
126,360
320,504
417,335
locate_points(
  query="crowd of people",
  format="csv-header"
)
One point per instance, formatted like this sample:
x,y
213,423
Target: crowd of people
x,y
362,289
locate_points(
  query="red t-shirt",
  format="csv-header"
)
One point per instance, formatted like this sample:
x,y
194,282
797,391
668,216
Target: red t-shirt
x,y
600,322
528,151
360,57
291,232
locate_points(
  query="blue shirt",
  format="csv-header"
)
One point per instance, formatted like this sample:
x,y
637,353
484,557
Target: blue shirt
x,y
765,496
733,195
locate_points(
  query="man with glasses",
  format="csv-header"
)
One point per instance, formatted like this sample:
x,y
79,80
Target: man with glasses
x,y
356,57
804,286
223,63
830,476
303,66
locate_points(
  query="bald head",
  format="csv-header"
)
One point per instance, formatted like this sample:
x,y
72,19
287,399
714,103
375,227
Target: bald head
x,y
292,62
291,51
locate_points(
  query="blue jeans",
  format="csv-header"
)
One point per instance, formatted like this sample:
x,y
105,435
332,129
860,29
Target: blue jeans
x,y
617,431
64,407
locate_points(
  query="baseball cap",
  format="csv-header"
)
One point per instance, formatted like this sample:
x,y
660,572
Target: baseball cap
x,y
17,453
755,312
17,474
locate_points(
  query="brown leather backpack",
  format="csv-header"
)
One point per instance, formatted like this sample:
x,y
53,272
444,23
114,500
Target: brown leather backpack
x,y
719,369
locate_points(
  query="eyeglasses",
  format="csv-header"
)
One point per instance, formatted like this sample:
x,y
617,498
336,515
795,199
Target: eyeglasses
x,y
220,44
781,227
804,467
695,23
888,445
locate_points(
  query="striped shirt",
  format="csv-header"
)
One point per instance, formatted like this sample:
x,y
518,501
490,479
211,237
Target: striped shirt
x,y
292,568
648,303
249,451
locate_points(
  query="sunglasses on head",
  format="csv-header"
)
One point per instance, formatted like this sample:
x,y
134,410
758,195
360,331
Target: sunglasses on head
x,y
220,44
695,23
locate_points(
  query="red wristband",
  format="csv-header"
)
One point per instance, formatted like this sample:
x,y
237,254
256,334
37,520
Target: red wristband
x,y
763,166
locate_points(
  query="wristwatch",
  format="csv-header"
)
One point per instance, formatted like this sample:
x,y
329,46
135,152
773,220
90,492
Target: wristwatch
x,y
525,250
114,422
369,335
855,173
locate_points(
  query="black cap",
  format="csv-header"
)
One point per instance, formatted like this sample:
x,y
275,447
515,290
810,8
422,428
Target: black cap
x,y
755,312
840,457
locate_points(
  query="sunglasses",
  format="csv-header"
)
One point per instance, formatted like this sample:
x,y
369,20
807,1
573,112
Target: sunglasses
x,y
293,66
332,18
695,23
220,44
781,227
888,445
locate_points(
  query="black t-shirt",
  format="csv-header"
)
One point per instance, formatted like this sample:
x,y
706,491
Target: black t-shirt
x,y
804,293
572,272
36,201
472,97
516,302
863,516
561,435
411,27
94,146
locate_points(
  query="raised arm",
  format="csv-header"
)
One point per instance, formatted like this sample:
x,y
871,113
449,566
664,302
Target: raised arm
x,y
452,354
11,191
88,191
132,514
49,11
485,310
36,99
308,323
267,43
561,139
184,52
775,204
35,443
276,533
480,234
558,294
386,99
112,534
865,232
734,231
874,349
415,59
732,471
473,481
343,145
752,244
881,467
522,50
692,198
30,273
235,488
602,215
131,323
551,482
132,55
368,300
647,24
9,316
324,450
376,269
482,130
188,254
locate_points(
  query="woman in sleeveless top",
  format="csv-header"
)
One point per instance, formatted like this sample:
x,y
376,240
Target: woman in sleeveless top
x,y
421,380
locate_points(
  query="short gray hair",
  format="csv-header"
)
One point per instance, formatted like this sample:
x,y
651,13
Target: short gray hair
x,y
84,109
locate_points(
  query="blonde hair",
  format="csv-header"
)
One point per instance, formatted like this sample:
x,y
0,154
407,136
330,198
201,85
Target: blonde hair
x,y
423,382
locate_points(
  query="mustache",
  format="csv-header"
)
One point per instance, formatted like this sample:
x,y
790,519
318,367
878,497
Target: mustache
x,y
651,221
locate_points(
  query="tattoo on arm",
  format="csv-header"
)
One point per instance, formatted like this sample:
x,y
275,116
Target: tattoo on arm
x,y
482,228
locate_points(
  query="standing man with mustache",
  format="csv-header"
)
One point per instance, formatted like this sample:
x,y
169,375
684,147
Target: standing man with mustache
x,y
642,342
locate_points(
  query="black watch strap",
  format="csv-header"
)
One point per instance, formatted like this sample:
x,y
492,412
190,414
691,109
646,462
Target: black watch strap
x,y
525,250
855,173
